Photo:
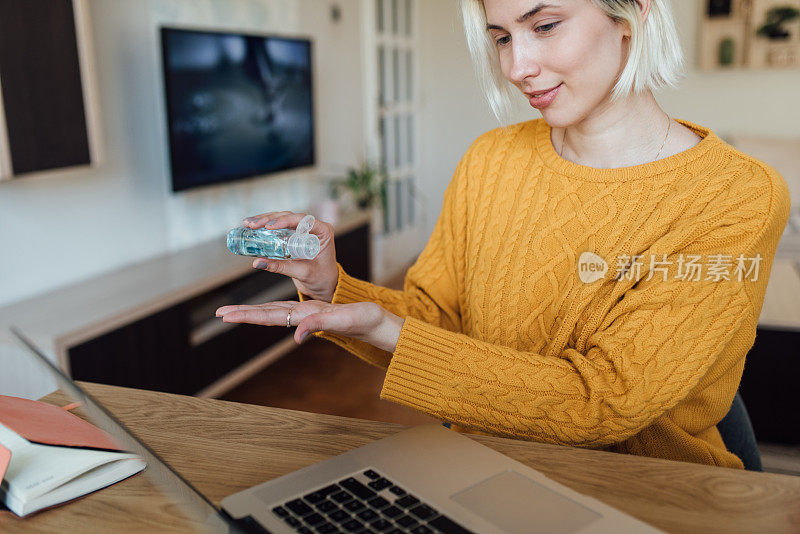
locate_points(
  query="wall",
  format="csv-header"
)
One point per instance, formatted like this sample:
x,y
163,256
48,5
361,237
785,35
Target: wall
x,y
62,226
759,102
454,111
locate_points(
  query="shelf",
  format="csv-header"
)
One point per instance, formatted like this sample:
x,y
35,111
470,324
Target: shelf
x,y
90,308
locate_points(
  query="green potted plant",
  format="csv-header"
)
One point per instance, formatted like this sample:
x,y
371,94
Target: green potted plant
x,y
773,26
367,184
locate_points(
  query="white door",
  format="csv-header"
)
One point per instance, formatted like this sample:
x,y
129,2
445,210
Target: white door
x,y
392,121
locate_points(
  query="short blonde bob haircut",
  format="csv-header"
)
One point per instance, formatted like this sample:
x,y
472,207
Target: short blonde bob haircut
x,y
655,59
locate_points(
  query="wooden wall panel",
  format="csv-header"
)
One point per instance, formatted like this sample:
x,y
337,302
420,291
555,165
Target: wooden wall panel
x,y
41,85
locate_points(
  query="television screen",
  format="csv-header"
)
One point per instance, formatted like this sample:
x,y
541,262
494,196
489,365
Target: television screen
x,y
237,105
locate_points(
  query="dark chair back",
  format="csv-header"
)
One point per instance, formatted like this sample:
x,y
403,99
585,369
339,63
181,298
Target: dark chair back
x,y
738,436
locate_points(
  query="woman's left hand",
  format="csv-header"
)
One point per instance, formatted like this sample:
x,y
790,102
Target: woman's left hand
x,y
365,321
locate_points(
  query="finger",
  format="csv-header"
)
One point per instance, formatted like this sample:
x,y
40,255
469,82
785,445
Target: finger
x,y
259,221
299,269
309,325
284,305
233,308
287,220
268,215
259,316
291,220
330,321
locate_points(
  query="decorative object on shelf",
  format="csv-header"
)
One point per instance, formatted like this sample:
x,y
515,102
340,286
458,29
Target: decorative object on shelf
x,y
367,186
726,51
327,210
752,34
784,56
774,26
719,8
336,13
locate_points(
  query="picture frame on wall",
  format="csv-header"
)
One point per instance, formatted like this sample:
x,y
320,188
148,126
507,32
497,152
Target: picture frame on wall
x,y
42,131
6,171
749,34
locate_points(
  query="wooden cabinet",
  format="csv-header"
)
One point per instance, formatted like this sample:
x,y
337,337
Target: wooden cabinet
x,y
769,385
152,325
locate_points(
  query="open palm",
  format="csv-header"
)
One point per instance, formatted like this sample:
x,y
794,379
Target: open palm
x,y
357,320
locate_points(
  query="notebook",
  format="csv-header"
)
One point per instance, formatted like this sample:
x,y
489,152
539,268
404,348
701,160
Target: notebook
x,y
49,456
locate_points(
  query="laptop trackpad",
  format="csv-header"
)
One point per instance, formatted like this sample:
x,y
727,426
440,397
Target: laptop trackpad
x,y
515,503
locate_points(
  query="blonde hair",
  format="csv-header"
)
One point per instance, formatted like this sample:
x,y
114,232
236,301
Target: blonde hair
x,y
655,59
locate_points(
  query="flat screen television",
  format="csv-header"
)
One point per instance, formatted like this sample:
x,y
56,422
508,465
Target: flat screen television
x,y
237,105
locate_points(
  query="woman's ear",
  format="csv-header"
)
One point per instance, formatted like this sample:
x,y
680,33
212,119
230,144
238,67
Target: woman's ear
x,y
644,7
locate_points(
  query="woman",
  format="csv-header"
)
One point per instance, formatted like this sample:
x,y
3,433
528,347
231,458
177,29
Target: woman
x,y
595,277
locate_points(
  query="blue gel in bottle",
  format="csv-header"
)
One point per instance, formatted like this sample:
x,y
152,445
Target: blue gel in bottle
x,y
281,244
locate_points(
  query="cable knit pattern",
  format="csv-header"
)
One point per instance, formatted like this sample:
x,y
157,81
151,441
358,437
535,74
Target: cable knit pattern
x,y
502,337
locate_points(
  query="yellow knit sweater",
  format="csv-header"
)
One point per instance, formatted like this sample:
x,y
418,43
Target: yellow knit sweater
x,y
502,336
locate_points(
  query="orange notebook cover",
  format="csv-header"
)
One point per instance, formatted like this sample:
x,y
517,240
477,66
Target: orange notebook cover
x,y
5,459
47,424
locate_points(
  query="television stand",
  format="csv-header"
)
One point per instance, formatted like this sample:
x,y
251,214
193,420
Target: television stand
x,y
152,326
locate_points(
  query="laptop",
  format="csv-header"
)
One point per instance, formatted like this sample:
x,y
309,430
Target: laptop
x,y
427,479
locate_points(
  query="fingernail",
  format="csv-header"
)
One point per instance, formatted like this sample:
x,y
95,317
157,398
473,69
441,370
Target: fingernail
x,y
304,336
270,223
261,265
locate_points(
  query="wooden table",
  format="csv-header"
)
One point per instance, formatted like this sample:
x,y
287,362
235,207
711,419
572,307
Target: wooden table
x,y
223,447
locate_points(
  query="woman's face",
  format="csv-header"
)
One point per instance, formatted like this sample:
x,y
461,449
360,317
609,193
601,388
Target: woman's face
x,y
569,46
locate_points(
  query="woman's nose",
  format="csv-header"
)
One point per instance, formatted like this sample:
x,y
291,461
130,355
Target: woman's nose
x,y
524,62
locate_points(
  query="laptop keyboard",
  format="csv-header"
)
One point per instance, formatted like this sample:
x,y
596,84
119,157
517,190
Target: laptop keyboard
x,y
371,504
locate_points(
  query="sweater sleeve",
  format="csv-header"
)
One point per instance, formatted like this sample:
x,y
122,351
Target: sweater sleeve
x,y
431,286
651,348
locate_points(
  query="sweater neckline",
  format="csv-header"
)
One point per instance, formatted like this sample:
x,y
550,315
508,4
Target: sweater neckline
x,y
547,151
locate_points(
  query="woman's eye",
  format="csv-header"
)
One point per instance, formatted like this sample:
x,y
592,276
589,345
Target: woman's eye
x,y
546,28
502,40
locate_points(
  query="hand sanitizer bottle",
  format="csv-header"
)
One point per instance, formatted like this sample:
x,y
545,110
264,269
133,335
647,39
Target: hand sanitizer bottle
x,y
281,244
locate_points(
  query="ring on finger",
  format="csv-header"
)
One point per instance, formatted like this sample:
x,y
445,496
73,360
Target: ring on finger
x,y
289,318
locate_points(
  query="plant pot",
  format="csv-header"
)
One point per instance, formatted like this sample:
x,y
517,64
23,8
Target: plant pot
x,y
377,220
726,52
328,210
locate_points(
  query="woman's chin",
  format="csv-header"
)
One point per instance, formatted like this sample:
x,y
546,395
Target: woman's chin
x,y
556,119
559,117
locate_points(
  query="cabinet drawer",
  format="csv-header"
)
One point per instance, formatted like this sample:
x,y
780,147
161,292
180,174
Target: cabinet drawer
x,y
353,252
769,386
146,354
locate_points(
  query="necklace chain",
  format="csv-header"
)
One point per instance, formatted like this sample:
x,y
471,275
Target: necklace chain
x,y
664,142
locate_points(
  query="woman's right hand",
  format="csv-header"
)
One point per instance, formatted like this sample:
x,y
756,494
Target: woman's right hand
x,y
315,278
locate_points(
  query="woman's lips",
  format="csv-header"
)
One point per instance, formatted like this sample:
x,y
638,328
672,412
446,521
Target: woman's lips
x,y
544,100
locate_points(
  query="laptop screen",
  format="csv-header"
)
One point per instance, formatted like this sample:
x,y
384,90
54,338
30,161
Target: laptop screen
x,y
193,504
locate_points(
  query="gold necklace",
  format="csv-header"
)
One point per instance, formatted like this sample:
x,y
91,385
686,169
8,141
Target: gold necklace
x,y
669,125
